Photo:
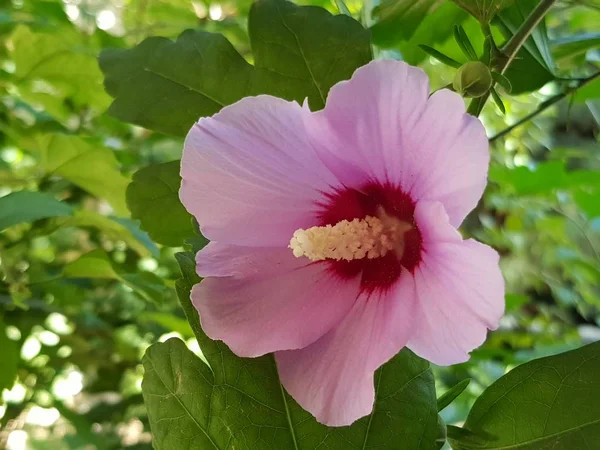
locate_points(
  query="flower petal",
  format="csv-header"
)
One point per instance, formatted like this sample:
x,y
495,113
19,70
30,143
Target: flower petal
x,y
459,290
269,300
450,157
249,175
382,125
333,378
361,128
220,260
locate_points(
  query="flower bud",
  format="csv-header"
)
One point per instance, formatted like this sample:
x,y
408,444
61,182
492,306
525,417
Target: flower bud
x,y
473,79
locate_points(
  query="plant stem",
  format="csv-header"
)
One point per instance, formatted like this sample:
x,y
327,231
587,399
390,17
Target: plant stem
x,y
514,44
546,104
512,47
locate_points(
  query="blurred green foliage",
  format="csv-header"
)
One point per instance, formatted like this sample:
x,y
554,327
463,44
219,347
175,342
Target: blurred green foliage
x,y
87,265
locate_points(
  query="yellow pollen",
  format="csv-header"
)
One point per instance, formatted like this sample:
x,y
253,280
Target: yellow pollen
x,y
371,237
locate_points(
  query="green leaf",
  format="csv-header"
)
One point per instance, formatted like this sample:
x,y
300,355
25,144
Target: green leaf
x,y
187,401
515,301
588,92
546,177
533,66
166,86
88,165
301,52
232,404
498,100
56,59
442,434
148,285
153,199
342,8
502,81
434,30
588,203
483,10
183,287
464,436
397,20
546,403
572,46
169,322
461,38
133,227
27,206
450,395
113,227
196,242
96,264
440,56
9,355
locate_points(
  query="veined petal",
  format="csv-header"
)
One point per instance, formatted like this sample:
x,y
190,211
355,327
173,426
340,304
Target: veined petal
x,y
265,299
333,378
221,260
449,158
249,175
382,125
459,290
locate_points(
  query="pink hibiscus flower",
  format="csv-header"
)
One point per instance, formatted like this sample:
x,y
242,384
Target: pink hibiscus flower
x,y
334,240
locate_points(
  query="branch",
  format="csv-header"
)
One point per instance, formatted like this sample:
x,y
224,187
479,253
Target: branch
x,y
512,47
514,44
546,104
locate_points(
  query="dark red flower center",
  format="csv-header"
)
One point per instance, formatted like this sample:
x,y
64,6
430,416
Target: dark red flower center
x,y
348,204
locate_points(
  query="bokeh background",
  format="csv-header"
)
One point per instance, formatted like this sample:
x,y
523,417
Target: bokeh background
x,y
82,297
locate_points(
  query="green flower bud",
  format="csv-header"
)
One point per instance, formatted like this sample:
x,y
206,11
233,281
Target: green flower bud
x,y
473,79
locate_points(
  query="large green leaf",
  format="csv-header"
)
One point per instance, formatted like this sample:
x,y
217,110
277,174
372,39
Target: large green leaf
x,y
153,199
55,58
397,20
240,403
300,52
9,355
27,206
166,86
483,10
549,403
533,67
88,165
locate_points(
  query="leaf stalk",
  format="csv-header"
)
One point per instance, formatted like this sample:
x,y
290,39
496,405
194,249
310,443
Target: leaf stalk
x,y
545,105
512,47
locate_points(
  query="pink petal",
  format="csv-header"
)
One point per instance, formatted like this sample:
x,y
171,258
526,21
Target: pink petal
x,y
219,260
382,125
450,158
265,299
333,378
249,175
459,290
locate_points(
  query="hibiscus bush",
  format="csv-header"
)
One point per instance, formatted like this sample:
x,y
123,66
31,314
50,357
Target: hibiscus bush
x,y
266,225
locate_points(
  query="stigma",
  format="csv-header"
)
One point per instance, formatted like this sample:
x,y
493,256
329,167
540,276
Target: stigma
x,y
371,237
